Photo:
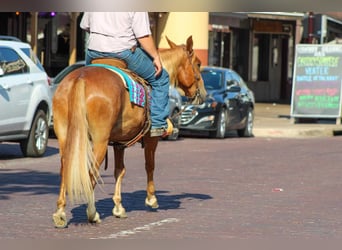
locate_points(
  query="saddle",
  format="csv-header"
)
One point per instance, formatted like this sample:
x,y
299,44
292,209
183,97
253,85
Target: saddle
x,y
110,61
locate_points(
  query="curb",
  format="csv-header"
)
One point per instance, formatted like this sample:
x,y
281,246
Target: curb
x,y
293,132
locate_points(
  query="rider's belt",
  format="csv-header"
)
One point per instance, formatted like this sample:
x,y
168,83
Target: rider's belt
x,y
133,48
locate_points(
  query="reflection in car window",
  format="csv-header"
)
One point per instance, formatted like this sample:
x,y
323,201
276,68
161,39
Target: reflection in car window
x,y
33,57
11,62
239,80
212,79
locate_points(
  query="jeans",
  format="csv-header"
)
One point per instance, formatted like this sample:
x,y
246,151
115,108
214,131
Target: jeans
x,y
142,64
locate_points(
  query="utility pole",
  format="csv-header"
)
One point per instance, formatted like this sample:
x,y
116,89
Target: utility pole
x,y
311,24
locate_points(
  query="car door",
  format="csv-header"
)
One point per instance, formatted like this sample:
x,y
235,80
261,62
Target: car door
x,y
15,90
242,99
233,98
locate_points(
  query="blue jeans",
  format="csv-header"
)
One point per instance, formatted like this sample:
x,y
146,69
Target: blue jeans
x,y
142,64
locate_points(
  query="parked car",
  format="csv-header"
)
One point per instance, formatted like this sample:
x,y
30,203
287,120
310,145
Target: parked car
x,y
175,100
25,98
228,106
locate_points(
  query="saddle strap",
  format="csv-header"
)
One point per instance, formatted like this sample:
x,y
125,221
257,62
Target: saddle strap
x,y
143,131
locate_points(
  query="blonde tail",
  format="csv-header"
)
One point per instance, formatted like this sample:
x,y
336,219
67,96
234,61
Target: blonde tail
x,y
79,160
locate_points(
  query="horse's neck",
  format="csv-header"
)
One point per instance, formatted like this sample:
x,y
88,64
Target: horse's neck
x,y
171,59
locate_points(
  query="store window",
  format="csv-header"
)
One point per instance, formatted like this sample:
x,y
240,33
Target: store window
x,y
261,57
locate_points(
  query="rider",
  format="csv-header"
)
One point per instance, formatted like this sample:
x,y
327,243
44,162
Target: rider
x,y
127,36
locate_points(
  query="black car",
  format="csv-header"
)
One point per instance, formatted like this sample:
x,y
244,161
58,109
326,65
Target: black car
x,y
228,106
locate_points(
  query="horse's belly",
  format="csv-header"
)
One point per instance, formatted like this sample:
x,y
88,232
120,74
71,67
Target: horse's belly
x,y
129,124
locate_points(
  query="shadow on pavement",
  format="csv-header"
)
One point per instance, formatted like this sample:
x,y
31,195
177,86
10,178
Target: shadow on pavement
x,y
135,201
30,182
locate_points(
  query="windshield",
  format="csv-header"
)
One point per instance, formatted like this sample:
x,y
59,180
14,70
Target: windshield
x,y
212,79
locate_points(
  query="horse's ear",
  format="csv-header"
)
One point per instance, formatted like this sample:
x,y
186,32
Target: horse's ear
x,y
189,44
171,44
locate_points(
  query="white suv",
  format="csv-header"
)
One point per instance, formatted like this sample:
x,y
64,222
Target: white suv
x,y
25,98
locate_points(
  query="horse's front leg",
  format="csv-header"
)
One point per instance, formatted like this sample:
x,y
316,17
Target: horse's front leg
x,y
119,173
59,217
150,144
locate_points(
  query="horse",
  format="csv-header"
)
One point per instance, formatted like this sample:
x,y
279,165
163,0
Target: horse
x,y
92,109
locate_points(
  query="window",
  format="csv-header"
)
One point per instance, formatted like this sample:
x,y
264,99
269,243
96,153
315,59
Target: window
x,y
33,57
212,79
261,57
11,62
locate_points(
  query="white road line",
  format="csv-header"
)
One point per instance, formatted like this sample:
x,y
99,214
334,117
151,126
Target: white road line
x,y
147,227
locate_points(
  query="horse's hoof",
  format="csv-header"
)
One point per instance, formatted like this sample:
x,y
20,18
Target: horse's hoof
x,y
153,203
95,219
59,218
119,212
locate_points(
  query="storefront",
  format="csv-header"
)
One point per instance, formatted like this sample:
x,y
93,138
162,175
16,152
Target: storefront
x,y
321,28
259,46
53,36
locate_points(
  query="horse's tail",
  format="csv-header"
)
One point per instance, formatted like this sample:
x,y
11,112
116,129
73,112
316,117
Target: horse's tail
x,y
79,160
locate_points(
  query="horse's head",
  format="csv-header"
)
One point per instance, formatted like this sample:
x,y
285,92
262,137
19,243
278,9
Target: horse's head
x,y
183,67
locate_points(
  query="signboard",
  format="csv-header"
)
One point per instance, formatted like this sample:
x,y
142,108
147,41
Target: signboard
x,y
316,90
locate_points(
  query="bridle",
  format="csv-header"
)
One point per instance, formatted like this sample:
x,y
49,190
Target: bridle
x,y
197,78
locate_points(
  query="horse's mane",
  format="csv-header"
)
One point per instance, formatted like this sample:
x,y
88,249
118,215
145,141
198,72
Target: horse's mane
x,y
170,59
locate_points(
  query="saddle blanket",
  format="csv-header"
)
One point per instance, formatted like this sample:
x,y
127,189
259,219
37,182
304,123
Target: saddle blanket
x,y
136,91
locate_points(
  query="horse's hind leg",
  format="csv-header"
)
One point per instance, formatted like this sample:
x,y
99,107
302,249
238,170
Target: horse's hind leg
x,y
119,172
150,149
100,150
59,217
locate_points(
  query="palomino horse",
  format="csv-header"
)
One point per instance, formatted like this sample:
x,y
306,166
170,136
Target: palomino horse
x,y
92,109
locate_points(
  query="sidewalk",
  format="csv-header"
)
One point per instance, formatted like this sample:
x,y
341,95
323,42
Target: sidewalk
x,y
274,120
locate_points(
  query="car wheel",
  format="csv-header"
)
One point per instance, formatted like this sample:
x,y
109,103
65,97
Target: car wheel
x,y
221,125
247,131
175,121
36,143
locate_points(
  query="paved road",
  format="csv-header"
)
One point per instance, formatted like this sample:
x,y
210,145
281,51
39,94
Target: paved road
x,y
207,189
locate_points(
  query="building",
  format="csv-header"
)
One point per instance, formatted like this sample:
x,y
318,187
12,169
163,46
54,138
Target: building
x,y
260,46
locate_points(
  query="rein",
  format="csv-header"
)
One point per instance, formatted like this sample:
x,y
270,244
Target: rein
x,y
196,76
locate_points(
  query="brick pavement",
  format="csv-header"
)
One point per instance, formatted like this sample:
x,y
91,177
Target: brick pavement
x,y
255,188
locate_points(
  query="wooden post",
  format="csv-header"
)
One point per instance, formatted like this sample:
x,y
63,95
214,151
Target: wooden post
x,y
73,37
34,32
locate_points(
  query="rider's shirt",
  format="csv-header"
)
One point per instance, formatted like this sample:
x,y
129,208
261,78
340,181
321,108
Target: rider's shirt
x,y
115,31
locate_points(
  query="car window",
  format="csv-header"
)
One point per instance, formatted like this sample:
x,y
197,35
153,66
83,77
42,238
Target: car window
x,y
11,62
212,79
239,79
33,57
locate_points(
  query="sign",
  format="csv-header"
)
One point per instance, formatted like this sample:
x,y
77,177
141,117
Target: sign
x,y
316,90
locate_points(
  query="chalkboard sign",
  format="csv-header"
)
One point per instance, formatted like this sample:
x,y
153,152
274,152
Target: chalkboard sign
x,y
316,90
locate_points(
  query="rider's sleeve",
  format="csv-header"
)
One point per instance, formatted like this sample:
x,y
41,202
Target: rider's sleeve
x,y
141,24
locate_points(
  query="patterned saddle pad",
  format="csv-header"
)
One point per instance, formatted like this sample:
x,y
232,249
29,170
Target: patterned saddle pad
x,y
136,90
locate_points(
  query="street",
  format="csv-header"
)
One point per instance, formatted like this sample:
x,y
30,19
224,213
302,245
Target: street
x,y
235,188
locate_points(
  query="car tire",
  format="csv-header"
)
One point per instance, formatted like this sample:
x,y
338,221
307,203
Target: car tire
x,y
247,131
221,126
175,121
36,143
